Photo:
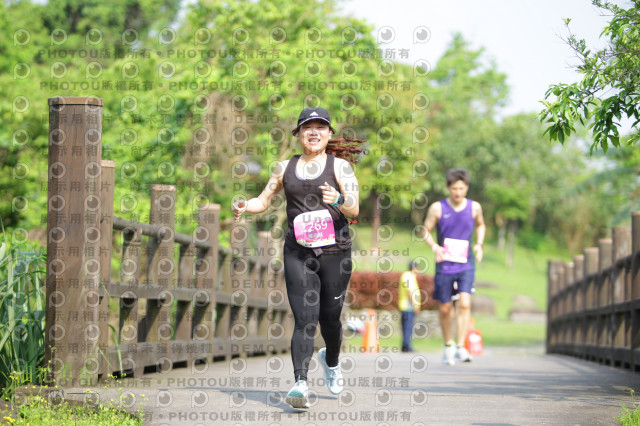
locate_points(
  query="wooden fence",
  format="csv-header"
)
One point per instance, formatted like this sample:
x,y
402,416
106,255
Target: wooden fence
x,y
594,301
191,301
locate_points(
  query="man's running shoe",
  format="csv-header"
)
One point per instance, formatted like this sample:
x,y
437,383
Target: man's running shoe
x,y
332,375
298,396
448,355
462,354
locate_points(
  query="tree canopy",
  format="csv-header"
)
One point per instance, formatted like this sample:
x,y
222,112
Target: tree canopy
x,y
206,99
610,87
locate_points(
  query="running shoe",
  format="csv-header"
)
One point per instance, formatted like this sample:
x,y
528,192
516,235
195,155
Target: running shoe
x,y
332,375
462,354
298,396
448,355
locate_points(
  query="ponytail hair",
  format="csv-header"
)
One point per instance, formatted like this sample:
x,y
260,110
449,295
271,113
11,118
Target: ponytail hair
x,y
348,149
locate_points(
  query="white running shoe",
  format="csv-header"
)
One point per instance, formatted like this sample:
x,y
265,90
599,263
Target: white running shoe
x,y
462,354
298,396
448,355
332,375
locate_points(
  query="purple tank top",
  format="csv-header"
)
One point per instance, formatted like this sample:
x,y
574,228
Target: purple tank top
x,y
457,225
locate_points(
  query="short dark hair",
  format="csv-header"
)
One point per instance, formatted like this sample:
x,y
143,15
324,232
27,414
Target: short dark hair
x,y
413,264
454,175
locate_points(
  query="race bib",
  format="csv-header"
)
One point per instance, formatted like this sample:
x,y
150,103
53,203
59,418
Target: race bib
x,y
455,250
314,229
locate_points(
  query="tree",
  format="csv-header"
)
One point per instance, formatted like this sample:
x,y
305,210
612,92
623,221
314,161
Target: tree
x,y
467,89
610,86
302,60
617,183
206,104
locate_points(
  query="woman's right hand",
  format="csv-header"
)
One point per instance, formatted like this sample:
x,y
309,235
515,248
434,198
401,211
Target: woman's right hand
x,y
238,208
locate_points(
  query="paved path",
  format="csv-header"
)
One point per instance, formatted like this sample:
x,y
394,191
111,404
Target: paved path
x,y
501,387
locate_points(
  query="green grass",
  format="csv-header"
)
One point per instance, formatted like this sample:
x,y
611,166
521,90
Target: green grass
x,y
495,332
630,417
501,332
527,277
38,411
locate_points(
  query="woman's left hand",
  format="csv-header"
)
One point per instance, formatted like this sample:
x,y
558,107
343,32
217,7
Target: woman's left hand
x,y
329,193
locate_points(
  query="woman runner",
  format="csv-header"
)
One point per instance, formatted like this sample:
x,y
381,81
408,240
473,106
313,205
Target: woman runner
x,y
321,190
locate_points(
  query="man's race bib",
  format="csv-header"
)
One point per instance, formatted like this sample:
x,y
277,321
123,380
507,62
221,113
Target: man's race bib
x,y
314,229
456,250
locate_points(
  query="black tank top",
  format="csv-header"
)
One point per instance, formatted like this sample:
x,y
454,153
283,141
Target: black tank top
x,y
305,195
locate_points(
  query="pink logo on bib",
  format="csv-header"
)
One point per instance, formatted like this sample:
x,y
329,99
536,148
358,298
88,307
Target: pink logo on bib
x,y
314,229
455,250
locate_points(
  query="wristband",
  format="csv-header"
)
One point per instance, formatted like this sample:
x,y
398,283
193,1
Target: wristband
x,y
480,244
339,201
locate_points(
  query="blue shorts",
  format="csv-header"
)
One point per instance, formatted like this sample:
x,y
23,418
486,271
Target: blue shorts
x,y
444,283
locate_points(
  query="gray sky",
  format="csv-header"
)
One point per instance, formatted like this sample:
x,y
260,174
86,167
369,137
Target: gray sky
x,y
522,36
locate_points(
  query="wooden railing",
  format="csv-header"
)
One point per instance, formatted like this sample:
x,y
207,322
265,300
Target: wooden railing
x,y
190,301
594,301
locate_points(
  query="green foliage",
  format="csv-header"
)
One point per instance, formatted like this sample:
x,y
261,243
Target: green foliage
x,y
611,69
206,104
615,184
508,200
22,313
531,239
38,410
465,92
630,417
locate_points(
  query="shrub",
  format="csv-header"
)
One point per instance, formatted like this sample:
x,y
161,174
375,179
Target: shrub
x,y
380,290
22,315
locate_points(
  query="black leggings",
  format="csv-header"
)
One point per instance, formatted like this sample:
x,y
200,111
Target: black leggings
x,y
316,287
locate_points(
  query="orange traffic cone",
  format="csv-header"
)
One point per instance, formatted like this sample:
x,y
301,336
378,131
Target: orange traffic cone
x,y
370,341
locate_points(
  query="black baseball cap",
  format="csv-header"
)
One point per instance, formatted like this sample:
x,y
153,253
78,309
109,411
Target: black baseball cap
x,y
312,113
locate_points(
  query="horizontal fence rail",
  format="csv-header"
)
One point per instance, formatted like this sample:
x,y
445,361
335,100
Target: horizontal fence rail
x,y
177,299
594,301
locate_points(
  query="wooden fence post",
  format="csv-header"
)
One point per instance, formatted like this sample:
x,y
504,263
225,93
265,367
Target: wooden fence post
x,y
161,272
621,243
621,321
603,291
590,267
635,291
106,245
568,301
239,275
266,251
551,323
283,314
129,326
276,298
73,267
184,311
222,346
578,273
559,284
206,279
603,301
589,322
